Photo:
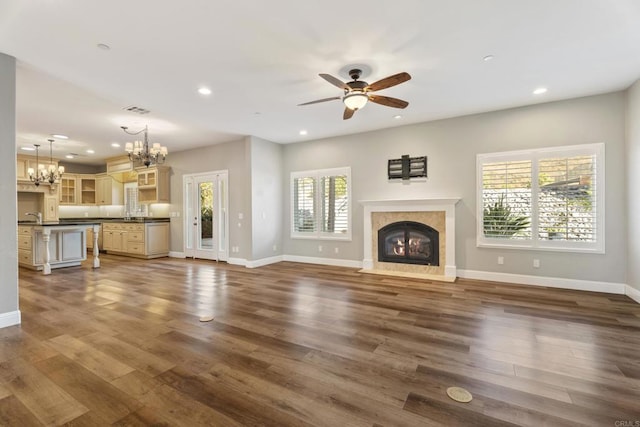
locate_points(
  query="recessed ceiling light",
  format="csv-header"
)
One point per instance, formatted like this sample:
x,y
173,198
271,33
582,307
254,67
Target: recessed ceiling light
x,y
115,145
488,58
59,136
103,46
28,148
397,116
540,91
90,151
69,156
303,132
204,91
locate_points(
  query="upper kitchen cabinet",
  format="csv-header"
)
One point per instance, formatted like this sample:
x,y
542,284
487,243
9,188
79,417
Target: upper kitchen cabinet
x,y
68,190
87,189
108,190
24,163
153,184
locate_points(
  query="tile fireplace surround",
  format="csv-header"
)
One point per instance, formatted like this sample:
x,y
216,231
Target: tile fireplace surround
x,y
437,213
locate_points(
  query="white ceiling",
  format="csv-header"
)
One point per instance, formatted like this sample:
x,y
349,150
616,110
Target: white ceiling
x,y
262,58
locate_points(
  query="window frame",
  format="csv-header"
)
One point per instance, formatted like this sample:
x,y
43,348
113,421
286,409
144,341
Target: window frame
x,y
318,234
535,155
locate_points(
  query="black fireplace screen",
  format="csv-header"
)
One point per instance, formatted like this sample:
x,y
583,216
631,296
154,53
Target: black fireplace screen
x,y
409,242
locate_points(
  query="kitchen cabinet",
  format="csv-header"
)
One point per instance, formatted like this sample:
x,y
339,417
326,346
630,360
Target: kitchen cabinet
x,y
87,189
142,240
23,163
50,208
109,191
66,246
153,184
68,190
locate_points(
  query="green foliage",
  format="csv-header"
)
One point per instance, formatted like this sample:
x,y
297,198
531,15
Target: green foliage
x,y
500,221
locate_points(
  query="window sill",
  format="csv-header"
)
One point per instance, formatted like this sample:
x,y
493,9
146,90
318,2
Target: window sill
x,y
346,238
543,248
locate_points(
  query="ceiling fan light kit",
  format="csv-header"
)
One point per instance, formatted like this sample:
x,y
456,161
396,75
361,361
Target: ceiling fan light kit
x,y
356,92
355,100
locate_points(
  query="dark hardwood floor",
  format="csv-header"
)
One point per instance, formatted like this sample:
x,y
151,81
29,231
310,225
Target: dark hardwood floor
x,y
295,344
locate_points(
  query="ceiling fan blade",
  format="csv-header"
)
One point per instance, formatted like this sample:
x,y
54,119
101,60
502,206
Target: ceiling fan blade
x,y
348,113
320,100
390,81
388,101
334,81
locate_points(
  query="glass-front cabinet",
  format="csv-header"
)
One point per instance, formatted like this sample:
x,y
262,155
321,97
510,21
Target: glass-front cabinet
x,y
68,190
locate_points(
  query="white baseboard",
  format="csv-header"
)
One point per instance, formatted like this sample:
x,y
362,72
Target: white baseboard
x,y
633,293
237,261
173,254
551,282
9,319
264,261
324,261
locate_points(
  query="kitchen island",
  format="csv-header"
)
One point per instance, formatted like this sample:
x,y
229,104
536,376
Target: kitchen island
x,y
52,245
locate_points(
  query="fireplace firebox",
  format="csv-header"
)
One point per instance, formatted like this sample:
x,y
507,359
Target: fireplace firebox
x,y
409,242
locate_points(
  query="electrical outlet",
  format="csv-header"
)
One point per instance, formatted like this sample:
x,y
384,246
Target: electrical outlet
x,y
337,250
500,260
536,263
319,248
275,248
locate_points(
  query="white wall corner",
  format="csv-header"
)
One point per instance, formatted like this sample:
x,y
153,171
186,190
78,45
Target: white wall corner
x,y
633,293
550,282
10,319
264,261
450,271
175,254
237,261
324,261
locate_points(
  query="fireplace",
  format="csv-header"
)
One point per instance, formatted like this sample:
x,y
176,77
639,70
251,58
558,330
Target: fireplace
x,y
409,242
439,214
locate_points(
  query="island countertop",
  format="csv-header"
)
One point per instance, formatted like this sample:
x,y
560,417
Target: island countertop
x,y
147,219
58,223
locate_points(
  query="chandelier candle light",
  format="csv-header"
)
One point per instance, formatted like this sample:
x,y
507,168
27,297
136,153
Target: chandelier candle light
x,y
52,174
140,152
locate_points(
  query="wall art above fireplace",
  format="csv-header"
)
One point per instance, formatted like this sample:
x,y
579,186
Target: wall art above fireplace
x,y
407,167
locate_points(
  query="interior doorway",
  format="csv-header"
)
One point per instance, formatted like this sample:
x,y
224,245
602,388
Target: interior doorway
x,y
206,227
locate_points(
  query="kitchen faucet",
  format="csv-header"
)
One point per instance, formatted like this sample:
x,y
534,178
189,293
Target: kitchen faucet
x,y
38,216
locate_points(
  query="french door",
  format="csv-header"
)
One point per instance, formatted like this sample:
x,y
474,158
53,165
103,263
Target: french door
x,y
206,227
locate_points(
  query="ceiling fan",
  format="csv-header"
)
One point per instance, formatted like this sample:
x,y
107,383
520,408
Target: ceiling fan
x,y
358,92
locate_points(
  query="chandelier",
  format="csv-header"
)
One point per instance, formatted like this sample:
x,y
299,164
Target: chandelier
x,y
140,152
50,174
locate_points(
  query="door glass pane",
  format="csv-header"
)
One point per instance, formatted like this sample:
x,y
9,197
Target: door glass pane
x,y
189,214
206,215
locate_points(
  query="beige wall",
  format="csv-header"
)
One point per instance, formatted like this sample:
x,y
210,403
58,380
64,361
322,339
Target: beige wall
x,y
633,185
8,194
451,146
266,198
232,156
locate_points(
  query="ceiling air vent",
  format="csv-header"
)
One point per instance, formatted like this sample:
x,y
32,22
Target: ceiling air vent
x,y
135,109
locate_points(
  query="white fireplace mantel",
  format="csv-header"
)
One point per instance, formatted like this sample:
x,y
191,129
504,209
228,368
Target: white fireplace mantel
x,y
448,205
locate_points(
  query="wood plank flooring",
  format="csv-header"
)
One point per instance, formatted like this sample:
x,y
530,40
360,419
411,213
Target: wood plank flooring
x,y
303,345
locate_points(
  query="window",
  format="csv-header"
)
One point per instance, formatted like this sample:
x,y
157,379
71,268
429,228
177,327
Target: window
x,y
550,198
320,204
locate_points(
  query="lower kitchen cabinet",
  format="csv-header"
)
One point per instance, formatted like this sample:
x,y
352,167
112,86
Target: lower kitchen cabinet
x,y
142,240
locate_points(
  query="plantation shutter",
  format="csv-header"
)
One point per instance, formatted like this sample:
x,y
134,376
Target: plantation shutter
x,y
334,204
506,199
567,198
304,211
